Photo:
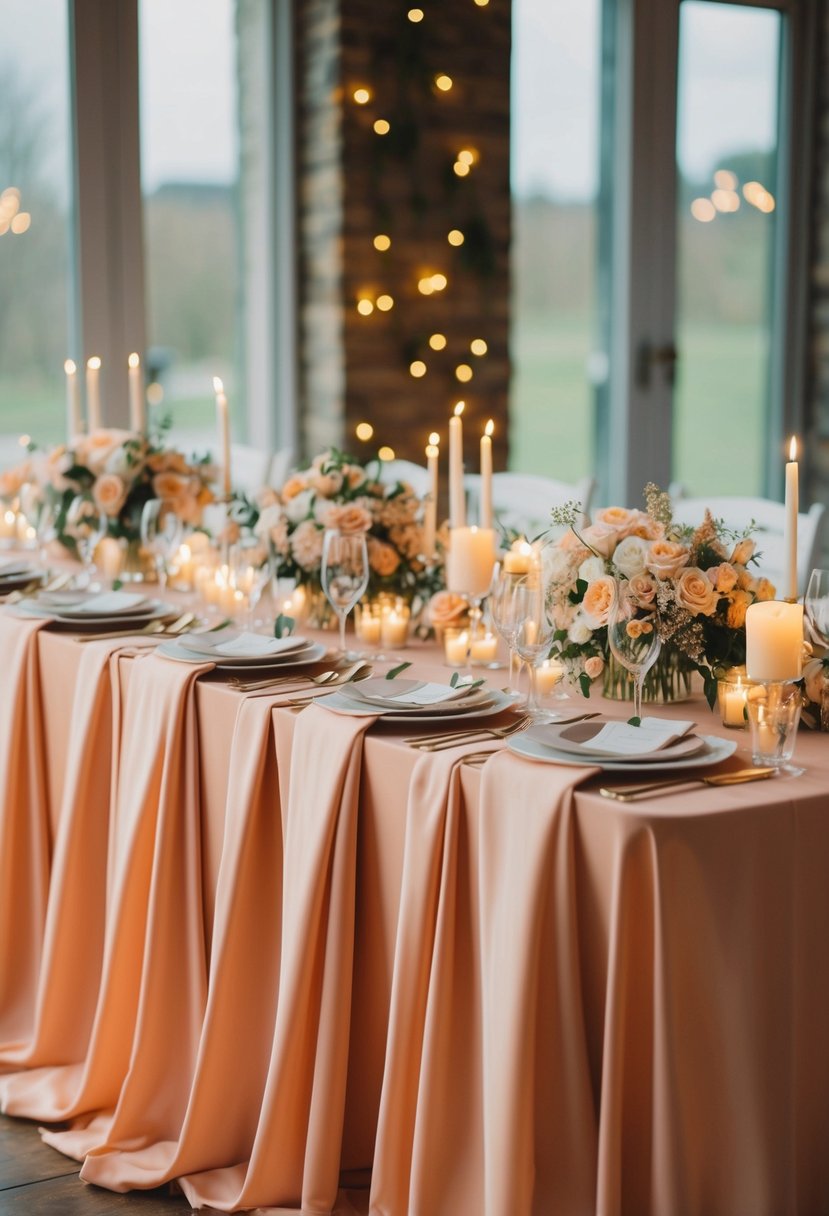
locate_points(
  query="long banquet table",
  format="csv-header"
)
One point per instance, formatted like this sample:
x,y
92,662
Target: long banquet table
x,y
289,962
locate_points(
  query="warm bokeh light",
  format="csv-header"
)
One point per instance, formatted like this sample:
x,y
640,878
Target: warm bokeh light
x,y
459,408
386,453
417,369
425,285
482,3
385,303
463,372
467,156
489,429
415,15
362,96
155,393
432,450
725,179
94,365
439,281
455,237
703,209
443,82
133,360
461,169
21,223
758,196
434,439
438,341
365,308
69,367
364,431
24,440
725,200
382,126
478,346
382,242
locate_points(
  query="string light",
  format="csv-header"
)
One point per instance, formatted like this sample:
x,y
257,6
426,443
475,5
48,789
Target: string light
x,y
468,156
482,3
425,285
463,372
439,281
438,341
386,453
362,96
478,346
415,15
455,237
382,242
382,126
365,307
364,431
461,168
443,82
417,369
385,303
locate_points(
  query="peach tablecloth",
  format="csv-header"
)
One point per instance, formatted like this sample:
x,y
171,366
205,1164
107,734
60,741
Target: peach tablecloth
x,y
310,958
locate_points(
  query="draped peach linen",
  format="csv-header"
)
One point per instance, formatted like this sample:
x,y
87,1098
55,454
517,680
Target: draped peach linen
x,y
25,844
150,997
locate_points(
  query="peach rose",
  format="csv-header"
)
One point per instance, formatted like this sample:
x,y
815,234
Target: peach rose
x,y
326,484
58,463
407,539
351,517
724,577
765,589
447,608
306,545
170,485
646,528
293,486
736,615
598,598
266,497
12,480
667,558
96,448
109,493
382,558
642,589
618,518
601,538
594,666
695,592
743,552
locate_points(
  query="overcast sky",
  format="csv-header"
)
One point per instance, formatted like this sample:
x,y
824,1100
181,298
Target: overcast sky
x,y
188,97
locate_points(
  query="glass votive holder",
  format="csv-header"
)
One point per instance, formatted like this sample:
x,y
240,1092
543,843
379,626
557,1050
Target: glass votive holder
x,y
548,675
455,646
732,693
368,623
483,649
394,623
8,527
773,716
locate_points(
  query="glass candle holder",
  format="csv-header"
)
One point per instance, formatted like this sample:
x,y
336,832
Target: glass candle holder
x,y
732,694
455,646
773,716
394,623
483,649
368,622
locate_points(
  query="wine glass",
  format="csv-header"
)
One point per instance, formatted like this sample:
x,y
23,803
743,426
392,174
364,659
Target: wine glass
x,y
46,528
162,532
251,566
523,613
816,603
498,606
633,640
86,523
344,573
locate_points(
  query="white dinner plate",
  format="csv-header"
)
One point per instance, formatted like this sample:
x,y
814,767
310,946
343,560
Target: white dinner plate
x,y
341,704
715,751
300,658
154,611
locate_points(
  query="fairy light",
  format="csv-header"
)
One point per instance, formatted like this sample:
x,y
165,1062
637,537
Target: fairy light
x,y
386,453
439,282
382,242
417,369
467,156
478,346
382,126
385,303
425,285
455,237
415,15
365,307
461,169
438,341
463,372
362,96
364,431
443,82
21,223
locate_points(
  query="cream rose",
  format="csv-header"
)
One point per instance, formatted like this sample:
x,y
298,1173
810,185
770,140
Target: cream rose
x,y
349,517
601,538
591,568
598,598
109,493
667,558
765,589
306,545
326,484
594,666
743,552
579,631
724,577
631,556
815,676
298,507
97,448
696,593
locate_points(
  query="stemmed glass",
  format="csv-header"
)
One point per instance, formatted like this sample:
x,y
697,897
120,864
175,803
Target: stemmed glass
x,y
162,532
344,573
252,568
816,603
87,525
499,608
634,641
523,613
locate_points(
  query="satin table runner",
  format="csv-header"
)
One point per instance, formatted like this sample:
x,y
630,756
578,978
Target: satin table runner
x,y
298,967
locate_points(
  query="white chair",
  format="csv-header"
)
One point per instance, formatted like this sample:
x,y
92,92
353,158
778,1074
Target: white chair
x,y
737,514
522,502
251,467
405,470
281,464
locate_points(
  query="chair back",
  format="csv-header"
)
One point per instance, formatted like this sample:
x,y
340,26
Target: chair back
x,y
405,470
522,502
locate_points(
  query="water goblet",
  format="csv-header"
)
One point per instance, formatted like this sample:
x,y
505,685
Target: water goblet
x,y
162,532
524,615
344,573
633,640
251,570
87,525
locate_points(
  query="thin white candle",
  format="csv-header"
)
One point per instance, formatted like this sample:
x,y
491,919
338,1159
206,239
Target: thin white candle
x,y
457,504
790,523
74,418
430,513
223,421
93,393
486,476
137,418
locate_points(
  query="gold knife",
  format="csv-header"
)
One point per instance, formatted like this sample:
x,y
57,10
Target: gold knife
x,y
632,792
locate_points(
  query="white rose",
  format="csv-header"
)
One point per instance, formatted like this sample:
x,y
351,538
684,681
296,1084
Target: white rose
x,y
269,518
813,677
298,507
631,556
592,568
579,632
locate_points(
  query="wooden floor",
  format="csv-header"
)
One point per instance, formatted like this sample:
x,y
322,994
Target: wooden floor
x,y
35,1180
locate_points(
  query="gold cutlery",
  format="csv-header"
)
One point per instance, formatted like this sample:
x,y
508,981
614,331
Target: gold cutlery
x,y
441,737
479,759
156,629
439,743
632,792
333,676
363,672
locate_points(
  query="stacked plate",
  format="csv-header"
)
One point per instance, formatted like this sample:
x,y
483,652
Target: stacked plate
x,y
17,574
97,610
404,700
232,649
619,747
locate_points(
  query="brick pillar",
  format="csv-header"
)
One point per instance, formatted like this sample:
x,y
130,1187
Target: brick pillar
x,y
356,184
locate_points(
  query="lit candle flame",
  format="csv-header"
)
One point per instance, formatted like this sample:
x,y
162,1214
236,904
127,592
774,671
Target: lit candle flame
x,y
218,387
489,428
94,363
432,450
793,448
459,408
133,360
69,367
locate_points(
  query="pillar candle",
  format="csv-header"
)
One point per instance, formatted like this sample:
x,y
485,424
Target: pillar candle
x,y
93,393
430,514
137,418
455,647
774,640
790,523
457,504
549,673
470,560
486,476
519,559
74,419
223,422
483,649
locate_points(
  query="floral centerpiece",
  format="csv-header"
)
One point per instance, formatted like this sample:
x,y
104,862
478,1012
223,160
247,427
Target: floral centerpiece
x,y
338,491
694,586
119,471
816,679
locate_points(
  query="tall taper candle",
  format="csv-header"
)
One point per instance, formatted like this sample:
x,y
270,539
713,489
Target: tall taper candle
x,y
457,503
430,514
74,418
223,420
137,418
790,522
93,393
485,520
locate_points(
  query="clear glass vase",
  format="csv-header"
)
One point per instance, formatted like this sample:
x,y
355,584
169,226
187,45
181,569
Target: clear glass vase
x,y
668,680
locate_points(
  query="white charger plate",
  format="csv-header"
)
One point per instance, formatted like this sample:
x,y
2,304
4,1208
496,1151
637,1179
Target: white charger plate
x,y
341,704
300,658
154,611
716,750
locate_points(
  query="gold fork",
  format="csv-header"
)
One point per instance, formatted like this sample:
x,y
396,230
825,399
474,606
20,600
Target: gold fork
x,y
439,743
154,629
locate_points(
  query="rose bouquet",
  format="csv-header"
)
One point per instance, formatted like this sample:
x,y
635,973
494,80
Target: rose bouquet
x,y
692,587
338,491
119,471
